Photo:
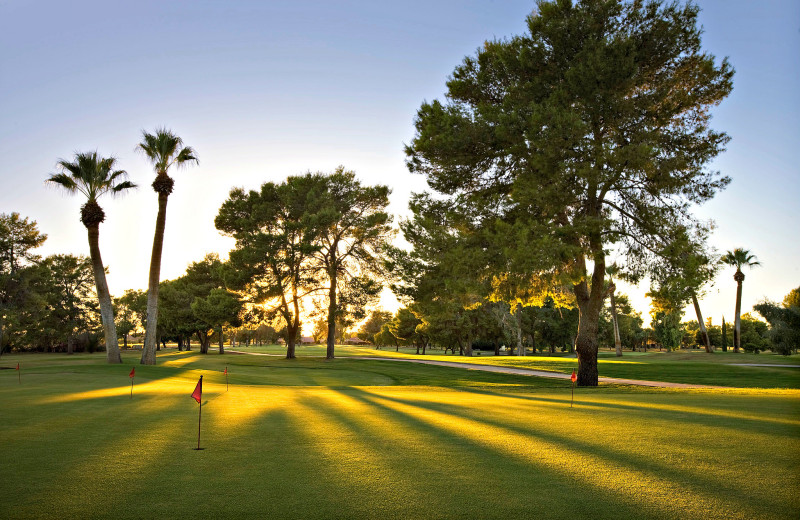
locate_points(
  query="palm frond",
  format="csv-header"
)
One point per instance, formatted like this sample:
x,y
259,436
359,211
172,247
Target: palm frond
x,y
186,154
64,181
90,175
122,186
739,258
163,148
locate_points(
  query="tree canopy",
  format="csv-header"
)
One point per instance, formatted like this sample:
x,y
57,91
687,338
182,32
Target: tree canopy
x,y
589,132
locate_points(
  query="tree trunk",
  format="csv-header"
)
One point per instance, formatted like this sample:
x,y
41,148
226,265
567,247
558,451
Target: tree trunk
x,y
221,343
294,327
617,340
204,339
149,350
518,317
291,334
188,343
586,347
106,311
331,315
468,346
703,330
70,344
2,333
590,302
737,324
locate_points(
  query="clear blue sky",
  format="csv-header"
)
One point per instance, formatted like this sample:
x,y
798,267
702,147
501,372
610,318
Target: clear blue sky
x,y
267,89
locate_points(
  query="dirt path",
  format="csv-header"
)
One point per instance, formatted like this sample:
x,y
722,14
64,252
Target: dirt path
x,y
510,370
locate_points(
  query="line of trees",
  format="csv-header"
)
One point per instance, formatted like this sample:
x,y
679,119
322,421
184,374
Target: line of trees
x,y
47,303
585,139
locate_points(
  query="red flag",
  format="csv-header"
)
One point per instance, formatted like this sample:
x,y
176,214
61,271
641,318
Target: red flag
x,y
198,390
226,371
17,366
574,376
133,372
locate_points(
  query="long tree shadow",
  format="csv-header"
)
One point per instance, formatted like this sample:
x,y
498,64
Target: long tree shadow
x,y
685,413
692,473
81,451
521,484
666,480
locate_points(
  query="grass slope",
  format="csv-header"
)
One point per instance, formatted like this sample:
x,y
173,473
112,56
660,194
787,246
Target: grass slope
x,y
372,439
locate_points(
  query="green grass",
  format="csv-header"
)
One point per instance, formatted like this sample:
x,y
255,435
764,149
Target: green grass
x,y
310,438
696,367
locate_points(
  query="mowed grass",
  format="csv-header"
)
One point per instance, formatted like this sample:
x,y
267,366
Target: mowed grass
x,y
310,438
695,367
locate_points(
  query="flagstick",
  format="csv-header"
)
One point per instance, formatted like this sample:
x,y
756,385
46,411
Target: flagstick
x,y
573,395
131,388
199,417
226,378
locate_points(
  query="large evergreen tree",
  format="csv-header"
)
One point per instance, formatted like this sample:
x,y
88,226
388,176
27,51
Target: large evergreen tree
x,y
590,132
355,230
277,232
18,236
71,302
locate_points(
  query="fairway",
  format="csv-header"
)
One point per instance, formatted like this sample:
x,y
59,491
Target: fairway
x,y
311,438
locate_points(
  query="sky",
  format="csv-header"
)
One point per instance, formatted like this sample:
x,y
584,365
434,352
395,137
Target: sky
x,y
266,89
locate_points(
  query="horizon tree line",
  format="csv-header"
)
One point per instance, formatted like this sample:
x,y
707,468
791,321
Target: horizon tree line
x,y
552,150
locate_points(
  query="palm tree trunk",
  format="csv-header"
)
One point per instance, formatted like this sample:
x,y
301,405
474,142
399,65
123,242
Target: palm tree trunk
x,y
106,311
149,350
617,340
737,324
703,330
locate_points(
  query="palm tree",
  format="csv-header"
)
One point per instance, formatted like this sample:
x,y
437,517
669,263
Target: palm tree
x,y
739,258
613,270
164,149
93,176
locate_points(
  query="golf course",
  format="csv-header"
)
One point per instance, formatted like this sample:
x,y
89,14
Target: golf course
x,y
378,438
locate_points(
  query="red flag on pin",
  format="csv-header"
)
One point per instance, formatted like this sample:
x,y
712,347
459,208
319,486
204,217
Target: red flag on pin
x,y
574,376
226,371
198,390
17,366
133,372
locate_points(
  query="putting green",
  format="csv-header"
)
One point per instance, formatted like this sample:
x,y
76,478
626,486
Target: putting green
x,y
76,445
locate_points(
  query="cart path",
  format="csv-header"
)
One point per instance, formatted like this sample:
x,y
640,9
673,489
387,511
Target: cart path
x,y
511,370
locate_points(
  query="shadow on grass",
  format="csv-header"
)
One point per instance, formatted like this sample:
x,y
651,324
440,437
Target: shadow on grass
x,y
609,464
734,421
